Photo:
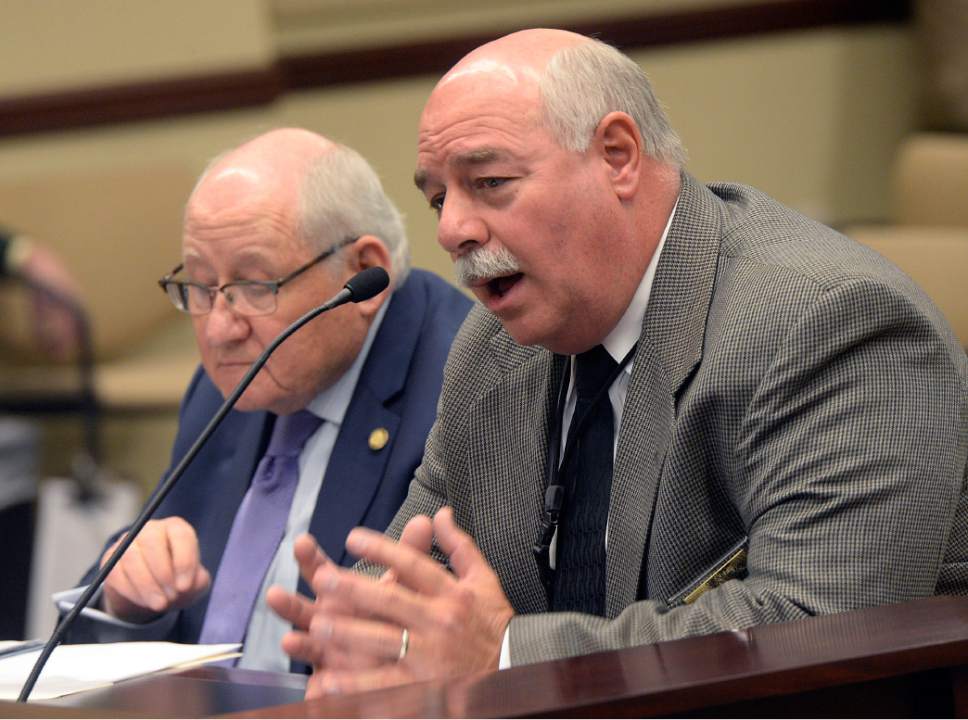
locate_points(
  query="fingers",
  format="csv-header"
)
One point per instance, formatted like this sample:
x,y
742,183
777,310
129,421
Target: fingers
x,y
301,646
132,582
342,592
418,533
334,682
292,607
309,556
413,568
124,599
461,550
161,570
185,560
376,640
199,586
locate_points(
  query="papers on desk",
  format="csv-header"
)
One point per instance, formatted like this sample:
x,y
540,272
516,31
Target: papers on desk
x,y
76,668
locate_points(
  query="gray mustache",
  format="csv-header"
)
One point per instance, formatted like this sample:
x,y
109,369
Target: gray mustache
x,y
484,264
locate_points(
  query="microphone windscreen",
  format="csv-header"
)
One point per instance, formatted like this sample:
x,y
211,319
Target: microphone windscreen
x,y
367,283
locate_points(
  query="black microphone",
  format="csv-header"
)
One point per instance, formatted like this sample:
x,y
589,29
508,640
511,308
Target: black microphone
x,y
361,286
367,283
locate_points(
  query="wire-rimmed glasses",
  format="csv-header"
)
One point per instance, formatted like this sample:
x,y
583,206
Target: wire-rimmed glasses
x,y
246,297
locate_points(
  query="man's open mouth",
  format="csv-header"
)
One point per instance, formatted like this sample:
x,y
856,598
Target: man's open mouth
x,y
500,285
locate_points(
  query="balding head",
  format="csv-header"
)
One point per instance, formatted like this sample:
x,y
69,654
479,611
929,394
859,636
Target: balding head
x,y
286,218
285,152
329,190
271,165
576,81
521,57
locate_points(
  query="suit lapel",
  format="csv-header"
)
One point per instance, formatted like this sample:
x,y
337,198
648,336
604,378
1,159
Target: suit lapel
x,y
508,438
643,439
353,475
670,347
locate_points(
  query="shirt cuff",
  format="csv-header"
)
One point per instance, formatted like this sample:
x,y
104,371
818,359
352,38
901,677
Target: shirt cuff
x,y
505,662
108,628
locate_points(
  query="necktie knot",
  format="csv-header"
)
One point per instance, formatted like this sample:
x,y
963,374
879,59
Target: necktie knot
x,y
291,432
593,368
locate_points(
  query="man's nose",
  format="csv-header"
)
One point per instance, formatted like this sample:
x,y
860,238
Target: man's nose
x,y
460,228
223,324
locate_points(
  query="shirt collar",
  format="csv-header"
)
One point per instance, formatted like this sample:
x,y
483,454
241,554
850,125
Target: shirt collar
x,y
332,403
626,333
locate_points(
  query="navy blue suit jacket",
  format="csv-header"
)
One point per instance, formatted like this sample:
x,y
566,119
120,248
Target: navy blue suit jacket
x,y
397,390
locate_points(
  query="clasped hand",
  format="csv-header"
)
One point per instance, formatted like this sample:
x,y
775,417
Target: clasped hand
x,y
351,634
161,571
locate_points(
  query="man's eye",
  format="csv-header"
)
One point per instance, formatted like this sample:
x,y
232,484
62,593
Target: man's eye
x,y
489,183
437,203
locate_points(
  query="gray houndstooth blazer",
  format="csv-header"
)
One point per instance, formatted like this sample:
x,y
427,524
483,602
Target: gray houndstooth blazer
x,y
790,387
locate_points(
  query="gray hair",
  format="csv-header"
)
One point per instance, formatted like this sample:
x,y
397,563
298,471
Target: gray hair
x,y
585,82
341,197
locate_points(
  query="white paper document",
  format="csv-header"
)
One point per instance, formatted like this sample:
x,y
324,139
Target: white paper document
x,y
76,668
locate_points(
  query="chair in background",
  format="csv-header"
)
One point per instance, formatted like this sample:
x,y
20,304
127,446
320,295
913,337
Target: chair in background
x,y
928,234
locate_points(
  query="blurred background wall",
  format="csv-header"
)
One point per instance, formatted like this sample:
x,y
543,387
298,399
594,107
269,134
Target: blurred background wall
x,y
109,108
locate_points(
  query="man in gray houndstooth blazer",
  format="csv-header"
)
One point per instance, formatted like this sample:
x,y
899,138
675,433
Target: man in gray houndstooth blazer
x,y
790,434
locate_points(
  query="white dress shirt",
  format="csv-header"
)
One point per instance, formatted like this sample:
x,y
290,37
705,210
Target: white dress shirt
x,y
617,343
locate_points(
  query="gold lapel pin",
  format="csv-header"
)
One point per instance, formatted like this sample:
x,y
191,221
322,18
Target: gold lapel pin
x,y
378,439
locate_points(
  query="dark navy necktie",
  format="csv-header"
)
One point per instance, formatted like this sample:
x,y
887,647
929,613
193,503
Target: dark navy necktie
x,y
579,581
259,526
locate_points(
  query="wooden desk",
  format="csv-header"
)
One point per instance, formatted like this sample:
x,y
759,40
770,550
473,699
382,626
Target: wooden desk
x,y
903,660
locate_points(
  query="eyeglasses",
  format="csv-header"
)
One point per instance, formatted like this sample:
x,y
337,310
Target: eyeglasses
x,y
246,297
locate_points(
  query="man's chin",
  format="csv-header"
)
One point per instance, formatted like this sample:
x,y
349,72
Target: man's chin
x,y
523,332
263,394
556,339
254,399
247,403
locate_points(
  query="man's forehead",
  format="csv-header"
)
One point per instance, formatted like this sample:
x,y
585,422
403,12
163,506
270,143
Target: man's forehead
x,y
465,125
272,253
469,158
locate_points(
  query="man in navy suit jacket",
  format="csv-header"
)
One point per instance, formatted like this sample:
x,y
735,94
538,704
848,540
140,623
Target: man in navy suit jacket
x,y
272,229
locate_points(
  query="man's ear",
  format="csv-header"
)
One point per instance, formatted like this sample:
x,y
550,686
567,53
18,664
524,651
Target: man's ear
x,y
369,251
619,142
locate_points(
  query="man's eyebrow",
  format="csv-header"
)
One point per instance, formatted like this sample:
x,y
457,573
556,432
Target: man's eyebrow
x,y
420,179
476,157
468,159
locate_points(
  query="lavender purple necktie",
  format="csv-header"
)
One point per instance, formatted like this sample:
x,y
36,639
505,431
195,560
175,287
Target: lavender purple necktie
x,y
258,528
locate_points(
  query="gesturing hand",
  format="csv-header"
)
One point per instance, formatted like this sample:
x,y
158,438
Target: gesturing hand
x,y
455,623
298,610
161,571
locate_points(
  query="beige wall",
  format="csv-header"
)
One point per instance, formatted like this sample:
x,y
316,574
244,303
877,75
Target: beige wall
x,y
307,25
56,44
811,117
